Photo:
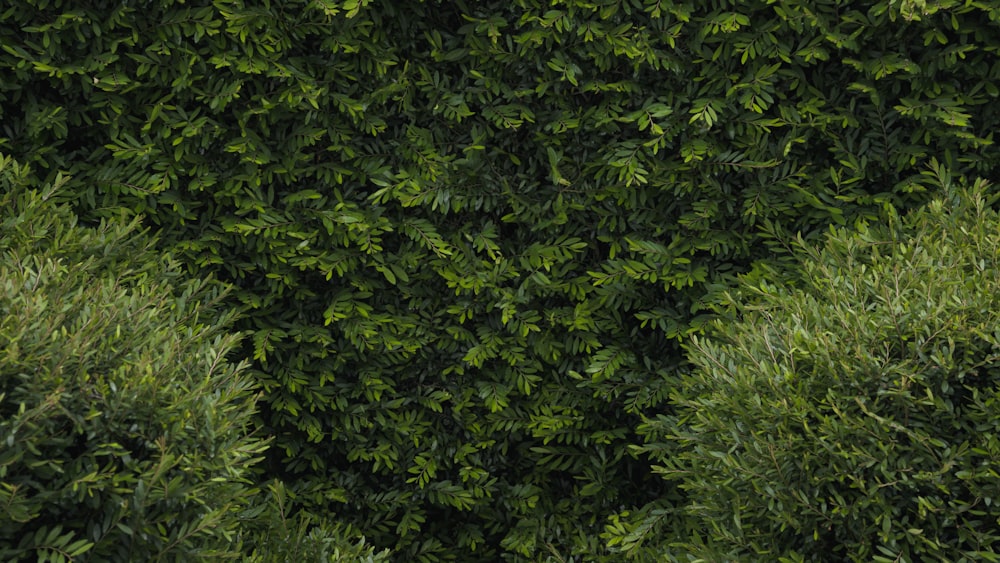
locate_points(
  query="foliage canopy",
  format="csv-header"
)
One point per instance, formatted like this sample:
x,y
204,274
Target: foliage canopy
x,y
470,236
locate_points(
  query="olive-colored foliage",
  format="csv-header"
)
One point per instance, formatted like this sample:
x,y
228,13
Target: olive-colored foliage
x,y
469,235
275,530
854,416
123,427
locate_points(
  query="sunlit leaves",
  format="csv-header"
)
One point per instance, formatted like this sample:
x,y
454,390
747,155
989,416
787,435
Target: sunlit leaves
x,y
841,411
130,437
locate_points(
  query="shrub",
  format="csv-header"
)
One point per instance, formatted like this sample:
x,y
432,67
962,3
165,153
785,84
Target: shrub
x,y
854,414
123,426
276,530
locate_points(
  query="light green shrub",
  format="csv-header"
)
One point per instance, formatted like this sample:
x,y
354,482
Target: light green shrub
x,y
122,425
854,413
279,531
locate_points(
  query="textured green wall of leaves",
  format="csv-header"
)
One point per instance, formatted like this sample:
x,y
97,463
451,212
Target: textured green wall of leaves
x,y
471,235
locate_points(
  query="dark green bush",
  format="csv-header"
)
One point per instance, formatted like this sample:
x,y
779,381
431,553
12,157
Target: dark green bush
x,y
855,415
470,234
123,427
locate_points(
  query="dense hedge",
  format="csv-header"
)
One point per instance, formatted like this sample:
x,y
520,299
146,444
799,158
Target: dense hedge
x,y
855,416
124,429
470,235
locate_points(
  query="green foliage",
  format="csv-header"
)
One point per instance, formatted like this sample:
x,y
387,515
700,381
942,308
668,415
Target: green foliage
x,y
123,427
276,532
470,236
854,417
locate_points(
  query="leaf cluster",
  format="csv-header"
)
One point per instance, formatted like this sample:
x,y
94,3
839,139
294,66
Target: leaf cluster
x,y
124,427
126,433
853,417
